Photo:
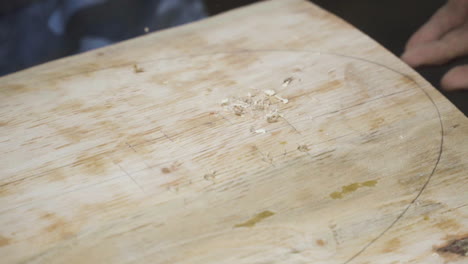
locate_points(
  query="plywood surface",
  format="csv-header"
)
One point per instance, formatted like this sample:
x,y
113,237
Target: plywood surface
x,y
276,133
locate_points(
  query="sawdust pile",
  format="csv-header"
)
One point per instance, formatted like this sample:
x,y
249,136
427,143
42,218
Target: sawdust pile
x,y
261,105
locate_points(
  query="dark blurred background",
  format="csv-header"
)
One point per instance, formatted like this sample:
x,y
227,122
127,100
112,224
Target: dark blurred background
x,y
390,22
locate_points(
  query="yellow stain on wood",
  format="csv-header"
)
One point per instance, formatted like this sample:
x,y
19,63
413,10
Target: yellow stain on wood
x,y
352,188
392,245
371,183
449,224
257,218
320,242
4,241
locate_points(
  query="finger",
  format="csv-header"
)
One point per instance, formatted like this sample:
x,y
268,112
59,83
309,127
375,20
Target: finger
x,y
456,79
449,16
454,44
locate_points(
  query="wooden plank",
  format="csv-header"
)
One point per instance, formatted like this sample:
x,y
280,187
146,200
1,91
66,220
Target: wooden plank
x,y
275,133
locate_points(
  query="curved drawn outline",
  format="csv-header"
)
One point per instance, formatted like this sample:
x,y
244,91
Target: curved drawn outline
x,y
247,51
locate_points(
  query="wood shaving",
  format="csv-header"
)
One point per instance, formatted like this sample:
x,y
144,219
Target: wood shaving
x,y
283,100
255,105
287,81
273,117
303,148
261,104
238,109
174,189
260,131
137,69
246,100
224,102
210,176
267,158
270,92
174,167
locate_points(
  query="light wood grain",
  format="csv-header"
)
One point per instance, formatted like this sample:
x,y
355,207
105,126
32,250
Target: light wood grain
x,y
132,154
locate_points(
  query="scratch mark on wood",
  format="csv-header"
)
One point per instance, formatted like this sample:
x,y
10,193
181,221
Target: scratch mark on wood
x,y
166,136
134,150
291,125
456,208
130,146
130,176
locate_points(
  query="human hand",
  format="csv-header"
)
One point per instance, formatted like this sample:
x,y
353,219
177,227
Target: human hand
x,y
443,38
